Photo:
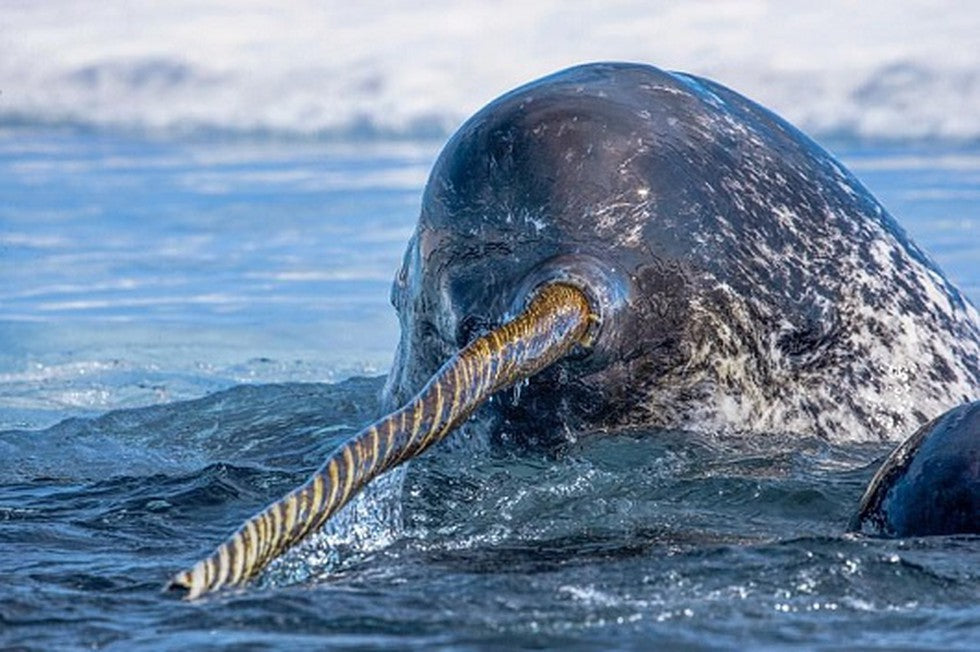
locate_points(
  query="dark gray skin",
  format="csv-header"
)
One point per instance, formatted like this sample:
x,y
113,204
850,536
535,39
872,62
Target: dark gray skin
x,y
747,283
729,276
930,484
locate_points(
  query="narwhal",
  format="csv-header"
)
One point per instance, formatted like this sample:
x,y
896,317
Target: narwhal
x,y
930,484
640,247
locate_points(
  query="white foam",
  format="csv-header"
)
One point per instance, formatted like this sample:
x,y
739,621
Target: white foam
x,y
875,69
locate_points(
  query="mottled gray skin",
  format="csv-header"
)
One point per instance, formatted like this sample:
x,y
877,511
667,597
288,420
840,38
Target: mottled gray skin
x,y
748,282
930,484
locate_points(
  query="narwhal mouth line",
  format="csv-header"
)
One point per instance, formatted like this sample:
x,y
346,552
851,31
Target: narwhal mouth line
x,y
557,319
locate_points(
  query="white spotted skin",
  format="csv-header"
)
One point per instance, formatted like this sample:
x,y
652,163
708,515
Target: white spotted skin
x,y
891,365
769,291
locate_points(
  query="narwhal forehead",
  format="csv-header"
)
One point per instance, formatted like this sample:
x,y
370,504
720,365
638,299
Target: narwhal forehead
x,y
549,169
622,164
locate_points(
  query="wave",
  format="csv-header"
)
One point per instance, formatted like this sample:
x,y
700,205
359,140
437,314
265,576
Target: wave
x,y
327,70
285,426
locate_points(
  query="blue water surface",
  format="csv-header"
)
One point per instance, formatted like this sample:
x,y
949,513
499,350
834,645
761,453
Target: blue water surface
x,y
188,326
137,271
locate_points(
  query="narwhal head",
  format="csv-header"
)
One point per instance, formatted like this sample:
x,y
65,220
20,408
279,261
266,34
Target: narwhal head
x,y
638,247
744,281
548,183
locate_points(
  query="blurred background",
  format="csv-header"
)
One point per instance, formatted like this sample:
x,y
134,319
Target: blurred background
x,y
872,70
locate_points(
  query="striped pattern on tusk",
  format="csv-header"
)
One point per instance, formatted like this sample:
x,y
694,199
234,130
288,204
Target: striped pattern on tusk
x,y
556,319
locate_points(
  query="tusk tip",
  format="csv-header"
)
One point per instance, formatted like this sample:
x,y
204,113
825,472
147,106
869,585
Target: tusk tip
x,y
182,585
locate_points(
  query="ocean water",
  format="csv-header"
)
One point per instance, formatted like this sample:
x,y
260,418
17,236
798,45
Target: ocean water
x,y
188,325
202,205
